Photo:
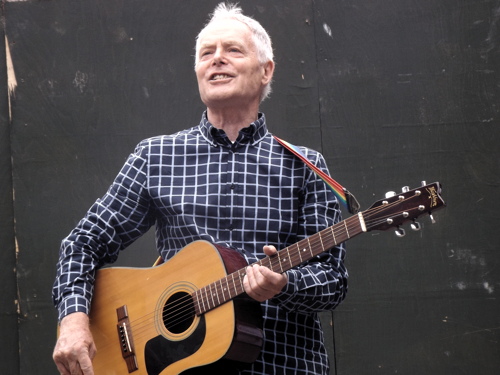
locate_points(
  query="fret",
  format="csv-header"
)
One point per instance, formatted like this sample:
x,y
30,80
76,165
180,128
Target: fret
x,y
321,240
314,242
333,235
231,295
196,303
222,289
205,308
210,299
310,249
208,296
279,261
211,295
215,292
226,288
304,249
241,275
199,301
346,230
268,265
204,300
289,258
299,252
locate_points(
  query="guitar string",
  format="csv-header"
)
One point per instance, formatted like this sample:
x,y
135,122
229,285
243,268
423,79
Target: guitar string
x,y
171,314
185,312
315,243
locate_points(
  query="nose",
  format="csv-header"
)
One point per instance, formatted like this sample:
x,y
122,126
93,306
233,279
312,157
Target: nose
x,y
218,57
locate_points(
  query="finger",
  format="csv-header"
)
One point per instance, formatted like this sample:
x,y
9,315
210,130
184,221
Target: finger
x,y
270,250
92,351
83,362
75,363
76,369
61,364
270,282
249,279
86,366
265,281
251,286
61,367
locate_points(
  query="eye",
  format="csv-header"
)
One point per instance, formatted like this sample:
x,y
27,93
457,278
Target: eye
x,y
205,53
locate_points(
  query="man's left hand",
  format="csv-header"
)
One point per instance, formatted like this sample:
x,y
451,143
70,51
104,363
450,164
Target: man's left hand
x,y
261,283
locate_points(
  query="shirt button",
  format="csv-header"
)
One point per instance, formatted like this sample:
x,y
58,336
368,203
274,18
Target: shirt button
x,y
233,186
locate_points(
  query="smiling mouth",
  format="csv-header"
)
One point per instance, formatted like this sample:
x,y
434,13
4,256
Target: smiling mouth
x,y
217,77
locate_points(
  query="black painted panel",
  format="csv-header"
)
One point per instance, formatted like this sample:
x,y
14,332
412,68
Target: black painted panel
x,y
9,355
392,92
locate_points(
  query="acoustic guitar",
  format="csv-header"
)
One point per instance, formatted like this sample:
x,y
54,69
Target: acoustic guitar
x,y
191,311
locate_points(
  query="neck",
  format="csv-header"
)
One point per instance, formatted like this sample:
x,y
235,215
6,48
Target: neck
x,y
231,121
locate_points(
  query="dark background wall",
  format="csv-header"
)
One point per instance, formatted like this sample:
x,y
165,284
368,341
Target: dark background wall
x,y
392,92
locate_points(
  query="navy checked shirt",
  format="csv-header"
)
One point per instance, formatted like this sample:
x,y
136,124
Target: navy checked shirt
x,y
197,184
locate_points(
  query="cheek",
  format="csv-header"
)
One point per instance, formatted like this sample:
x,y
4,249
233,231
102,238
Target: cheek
x,y
199,78
199,71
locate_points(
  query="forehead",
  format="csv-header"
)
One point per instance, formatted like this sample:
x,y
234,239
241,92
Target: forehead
x,y
226,30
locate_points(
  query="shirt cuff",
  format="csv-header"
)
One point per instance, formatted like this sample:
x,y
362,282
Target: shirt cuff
x,y
289,291
73,304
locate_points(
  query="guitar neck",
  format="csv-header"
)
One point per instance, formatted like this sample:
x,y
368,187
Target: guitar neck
x,y
231,286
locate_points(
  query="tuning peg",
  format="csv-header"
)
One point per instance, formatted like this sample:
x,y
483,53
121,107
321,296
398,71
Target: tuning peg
x,y
424,183
405,189
390,194
415,226
400,232
432,219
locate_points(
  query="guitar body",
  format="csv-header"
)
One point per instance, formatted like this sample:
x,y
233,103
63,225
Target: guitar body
x,y
135,332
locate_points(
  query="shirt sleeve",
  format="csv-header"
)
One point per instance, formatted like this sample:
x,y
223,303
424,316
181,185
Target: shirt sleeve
x,y
321,283
113,222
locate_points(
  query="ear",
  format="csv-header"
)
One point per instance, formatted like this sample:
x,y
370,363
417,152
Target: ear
x,y
268,68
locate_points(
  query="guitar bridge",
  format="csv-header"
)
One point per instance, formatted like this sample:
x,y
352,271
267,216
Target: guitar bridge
x,y
126,340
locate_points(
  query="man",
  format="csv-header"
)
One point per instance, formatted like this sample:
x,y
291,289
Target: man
x,y
227,181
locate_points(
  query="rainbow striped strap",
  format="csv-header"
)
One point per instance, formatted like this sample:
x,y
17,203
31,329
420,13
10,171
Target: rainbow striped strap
x,y
340,192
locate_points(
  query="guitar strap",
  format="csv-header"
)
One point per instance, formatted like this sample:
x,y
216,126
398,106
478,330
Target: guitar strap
x,y
349,200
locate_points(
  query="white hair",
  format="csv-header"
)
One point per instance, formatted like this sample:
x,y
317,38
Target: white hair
x,y
260,36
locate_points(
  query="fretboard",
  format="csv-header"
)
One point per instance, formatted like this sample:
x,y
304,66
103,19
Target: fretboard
x,y
231,286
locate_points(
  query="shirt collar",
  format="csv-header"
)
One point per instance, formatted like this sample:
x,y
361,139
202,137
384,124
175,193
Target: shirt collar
x,y
252,134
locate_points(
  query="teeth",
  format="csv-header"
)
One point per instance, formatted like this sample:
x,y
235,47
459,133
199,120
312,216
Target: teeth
x,y
219,76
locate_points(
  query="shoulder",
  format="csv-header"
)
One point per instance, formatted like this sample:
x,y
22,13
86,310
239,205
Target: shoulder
x,y
163,143
288,149
181,136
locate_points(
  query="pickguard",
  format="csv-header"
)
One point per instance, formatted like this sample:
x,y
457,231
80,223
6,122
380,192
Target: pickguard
x,y
159,352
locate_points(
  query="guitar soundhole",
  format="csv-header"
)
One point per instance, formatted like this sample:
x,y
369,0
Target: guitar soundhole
x,y
178,312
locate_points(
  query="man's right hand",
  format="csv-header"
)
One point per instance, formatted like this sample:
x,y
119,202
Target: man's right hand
x,y
75,346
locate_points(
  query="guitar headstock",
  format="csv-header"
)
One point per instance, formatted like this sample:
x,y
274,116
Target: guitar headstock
x,y
397,209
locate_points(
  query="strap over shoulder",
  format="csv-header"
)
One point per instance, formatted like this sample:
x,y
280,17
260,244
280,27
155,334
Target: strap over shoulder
x,y
344,196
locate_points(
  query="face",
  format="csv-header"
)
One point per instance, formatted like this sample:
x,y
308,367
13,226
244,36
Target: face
x,y
229,72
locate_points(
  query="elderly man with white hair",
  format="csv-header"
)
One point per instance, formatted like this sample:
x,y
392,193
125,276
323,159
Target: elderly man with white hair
x,y
226,181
